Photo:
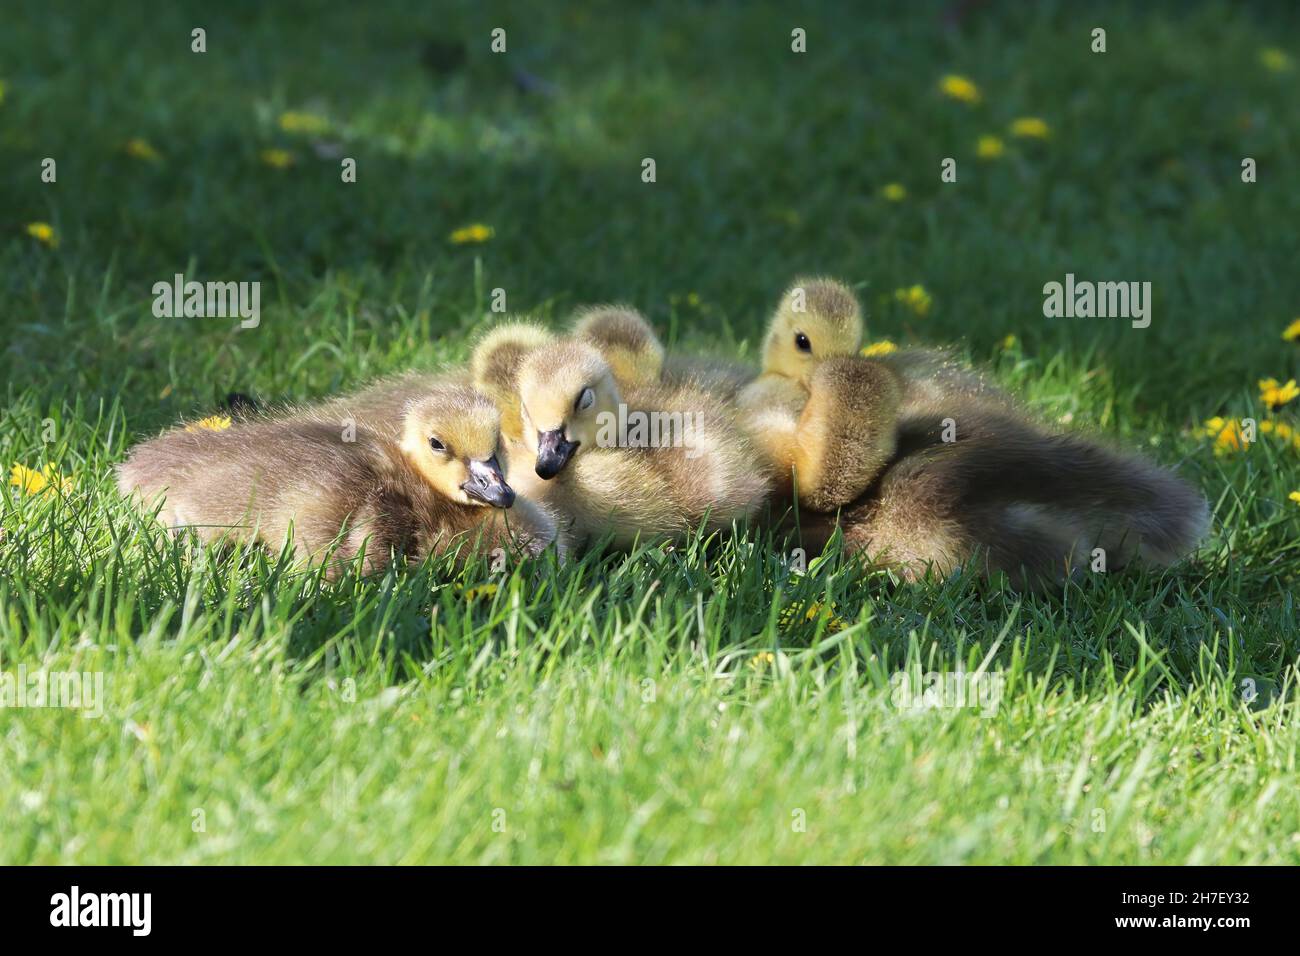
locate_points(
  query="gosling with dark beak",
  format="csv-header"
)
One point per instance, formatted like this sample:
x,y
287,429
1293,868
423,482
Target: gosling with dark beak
x,y
487,484
553,452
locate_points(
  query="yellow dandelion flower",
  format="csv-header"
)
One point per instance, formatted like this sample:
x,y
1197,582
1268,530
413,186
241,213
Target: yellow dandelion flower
x,y
1226,433
959,88
989,147
1294,496
1282,430
916,299
43,233
29,480
213,423
1266,426
883,347
1213,426
1274,394
1009,342
277,158
816,611
1292,332
473,233
762,659
308,124
1030,127
481,591
894,192
1275,60
141,149
32,482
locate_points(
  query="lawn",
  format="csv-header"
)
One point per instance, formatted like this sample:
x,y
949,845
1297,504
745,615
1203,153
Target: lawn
x,y
671,705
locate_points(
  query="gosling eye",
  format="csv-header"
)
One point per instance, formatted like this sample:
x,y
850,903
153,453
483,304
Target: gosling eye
x,y
437,445
801,342
585,400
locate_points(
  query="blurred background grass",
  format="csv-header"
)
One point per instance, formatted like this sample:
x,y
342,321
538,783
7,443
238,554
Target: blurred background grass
x,y
769,164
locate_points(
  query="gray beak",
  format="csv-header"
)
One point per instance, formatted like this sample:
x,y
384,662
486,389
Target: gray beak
x,y
553,452
487,484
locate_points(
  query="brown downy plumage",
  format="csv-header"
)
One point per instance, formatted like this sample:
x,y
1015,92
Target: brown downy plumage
x,y
625,340
932,375
429,485
597,461
1009,496
723,378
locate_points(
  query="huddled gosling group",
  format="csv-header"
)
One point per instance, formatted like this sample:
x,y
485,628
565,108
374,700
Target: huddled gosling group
x,y
923,465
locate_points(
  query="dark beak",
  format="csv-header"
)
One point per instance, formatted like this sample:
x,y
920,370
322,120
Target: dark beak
x,y
553,452
487,484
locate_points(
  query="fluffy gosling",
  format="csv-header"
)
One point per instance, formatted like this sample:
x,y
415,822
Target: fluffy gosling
x,y
686,465
433,486
823,415
1008,496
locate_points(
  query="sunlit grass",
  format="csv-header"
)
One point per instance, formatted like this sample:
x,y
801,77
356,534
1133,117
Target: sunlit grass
x,y
651,707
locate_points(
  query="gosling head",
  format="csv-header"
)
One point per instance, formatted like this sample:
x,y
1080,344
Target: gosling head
x,y
625,339
494,367
452,436
563,391
816,320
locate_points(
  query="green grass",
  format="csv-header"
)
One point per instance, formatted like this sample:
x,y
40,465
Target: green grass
x,y
622,709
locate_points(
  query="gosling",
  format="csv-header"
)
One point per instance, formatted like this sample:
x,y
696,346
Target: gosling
x,y
434,487
823,415
1006,496
637,358
938,468
677,462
